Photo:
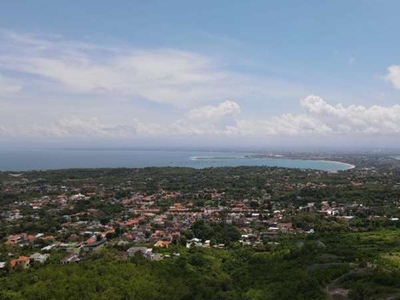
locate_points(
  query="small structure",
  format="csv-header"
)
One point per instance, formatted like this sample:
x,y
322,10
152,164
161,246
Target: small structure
x,y
20,262
69,259
195,242
162,244
155,256
133,250
94,246
71,247
40,258
146,252
48,248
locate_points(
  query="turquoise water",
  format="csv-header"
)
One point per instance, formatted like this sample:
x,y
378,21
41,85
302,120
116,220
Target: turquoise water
x,y
23,160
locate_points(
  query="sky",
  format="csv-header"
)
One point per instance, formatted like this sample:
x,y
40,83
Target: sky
x,y
204,73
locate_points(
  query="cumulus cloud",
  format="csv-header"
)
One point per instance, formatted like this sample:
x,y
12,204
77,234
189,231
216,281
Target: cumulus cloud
x,y
394,76
320,119
354,118
209,112
207,120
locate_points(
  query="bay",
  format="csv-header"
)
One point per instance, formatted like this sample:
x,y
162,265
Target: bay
x,y
40,159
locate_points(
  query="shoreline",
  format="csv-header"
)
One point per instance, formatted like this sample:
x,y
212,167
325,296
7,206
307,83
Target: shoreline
x,y
19,161
339,162
216,158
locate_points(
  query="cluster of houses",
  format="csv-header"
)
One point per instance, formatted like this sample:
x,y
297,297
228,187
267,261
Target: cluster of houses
x,y
143,223
158,219
24,262
76,252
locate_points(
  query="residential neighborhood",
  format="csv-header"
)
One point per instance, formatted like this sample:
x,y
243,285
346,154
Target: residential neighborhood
x,y
74,218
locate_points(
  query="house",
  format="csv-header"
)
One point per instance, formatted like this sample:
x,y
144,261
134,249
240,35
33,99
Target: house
x,y
285,227
146,252
48,248
162,244
15,239
195,242
94,246
69,259
133,250
71,247
40,258
20,262
155,256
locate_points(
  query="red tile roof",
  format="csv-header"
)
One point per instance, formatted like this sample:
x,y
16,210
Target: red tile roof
x,y
14,262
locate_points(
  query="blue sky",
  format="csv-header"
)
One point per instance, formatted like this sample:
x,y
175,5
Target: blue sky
x,y
218,72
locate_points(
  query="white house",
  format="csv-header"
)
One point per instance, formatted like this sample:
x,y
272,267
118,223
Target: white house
x,y
40,258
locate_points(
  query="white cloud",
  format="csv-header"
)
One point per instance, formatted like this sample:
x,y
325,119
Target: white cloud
x,y
394,76
354,118
98,75
320,119
209,112
7,88
176,77
73,127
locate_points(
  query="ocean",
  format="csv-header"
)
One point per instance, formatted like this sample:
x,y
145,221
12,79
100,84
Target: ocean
x,y
39,159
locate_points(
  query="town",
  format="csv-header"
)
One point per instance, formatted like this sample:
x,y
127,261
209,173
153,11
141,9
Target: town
x,y
83,214
65,217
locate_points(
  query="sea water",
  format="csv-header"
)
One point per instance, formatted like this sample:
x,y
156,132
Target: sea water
x,y
42,159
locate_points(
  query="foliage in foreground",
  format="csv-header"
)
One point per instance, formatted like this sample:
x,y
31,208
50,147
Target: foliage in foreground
x,y
309,269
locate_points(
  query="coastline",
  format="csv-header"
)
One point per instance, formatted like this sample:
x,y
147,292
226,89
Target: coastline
x,y
339,162
216,158
21,160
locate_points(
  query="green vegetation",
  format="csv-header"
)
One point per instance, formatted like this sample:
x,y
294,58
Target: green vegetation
x,y
314,267
286,234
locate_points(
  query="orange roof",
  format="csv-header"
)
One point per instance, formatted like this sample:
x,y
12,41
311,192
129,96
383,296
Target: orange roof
x,y
30,238
90,240
19,259
131,222
162,244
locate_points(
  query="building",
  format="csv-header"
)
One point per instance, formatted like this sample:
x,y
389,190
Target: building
x,y
20,262
40,258
94,246
133,250
146,252
69,259
162,244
